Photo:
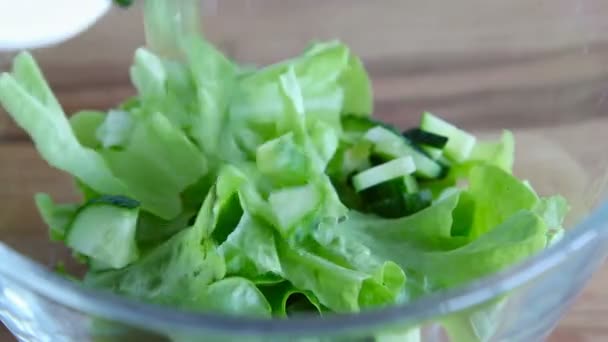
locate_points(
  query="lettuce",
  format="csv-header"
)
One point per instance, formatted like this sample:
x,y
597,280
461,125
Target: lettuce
x,y
26,96
244,176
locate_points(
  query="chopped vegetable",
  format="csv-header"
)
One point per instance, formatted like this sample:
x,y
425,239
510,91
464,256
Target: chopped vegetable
x,y
271,191
403,166
104,230
460,144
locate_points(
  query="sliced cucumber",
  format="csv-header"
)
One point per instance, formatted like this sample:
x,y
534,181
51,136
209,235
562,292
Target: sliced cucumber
x,y
388,189
325,139
417,201
433,152
386,199
391,199
390,145
424,138
356,158
104,230
411,186
361,124
460,143
395,168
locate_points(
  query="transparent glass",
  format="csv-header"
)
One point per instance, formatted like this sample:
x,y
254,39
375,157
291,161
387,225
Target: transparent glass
x,y
538,68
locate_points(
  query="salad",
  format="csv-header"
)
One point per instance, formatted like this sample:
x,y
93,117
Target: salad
x,y
272,191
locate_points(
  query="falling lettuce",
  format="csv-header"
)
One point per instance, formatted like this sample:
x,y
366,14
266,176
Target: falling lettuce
x,y
229,189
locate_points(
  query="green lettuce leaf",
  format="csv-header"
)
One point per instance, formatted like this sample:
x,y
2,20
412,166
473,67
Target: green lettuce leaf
x,y
335,286
421,243
85,124
116,129
497,195
500,153
286,300
169,23
520,236
28,99
552,210
331,80
56,216
149,77
233,296
214,76
148,164
250,250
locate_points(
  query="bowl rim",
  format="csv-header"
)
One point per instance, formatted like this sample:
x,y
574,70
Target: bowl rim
x,y
105,305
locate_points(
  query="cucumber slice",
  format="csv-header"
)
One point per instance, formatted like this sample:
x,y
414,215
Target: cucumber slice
x,y
104,230
411,186
392,199
386,199
425,138
356,158
395,168
417,201
433,152
390,145
460,143
360,124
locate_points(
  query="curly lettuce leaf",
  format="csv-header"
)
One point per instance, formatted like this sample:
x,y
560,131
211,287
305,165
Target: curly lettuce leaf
x,y
336,287
286,300
422,243
234,296
331,80
250,250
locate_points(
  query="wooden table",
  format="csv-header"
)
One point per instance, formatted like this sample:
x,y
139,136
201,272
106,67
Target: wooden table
x,y
525,65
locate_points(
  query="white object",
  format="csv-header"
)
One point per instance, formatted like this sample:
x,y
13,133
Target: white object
x,y
28,24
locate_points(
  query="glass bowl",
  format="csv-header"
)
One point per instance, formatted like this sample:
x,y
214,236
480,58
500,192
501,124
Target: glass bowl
x,y
536,67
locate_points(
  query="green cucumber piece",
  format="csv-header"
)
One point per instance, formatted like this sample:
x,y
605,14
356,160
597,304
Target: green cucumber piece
x,y
104,230
417,201
390,145
395,168
460,143
433,152
410,184
391,199
424,138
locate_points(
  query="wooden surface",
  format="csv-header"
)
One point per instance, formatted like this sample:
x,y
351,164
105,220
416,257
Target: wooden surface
x,y
531,66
